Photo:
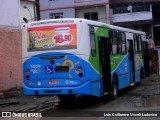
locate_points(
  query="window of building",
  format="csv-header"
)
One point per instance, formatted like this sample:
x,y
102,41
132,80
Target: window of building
x,y
56,15
140,8
91,16
120,10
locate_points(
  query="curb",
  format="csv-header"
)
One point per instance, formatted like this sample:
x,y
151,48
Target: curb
x,y
11,94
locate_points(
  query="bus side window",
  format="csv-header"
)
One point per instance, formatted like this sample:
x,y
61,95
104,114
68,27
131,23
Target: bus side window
x,y
114,42
121,43
92,41
140,43
124,43
137,43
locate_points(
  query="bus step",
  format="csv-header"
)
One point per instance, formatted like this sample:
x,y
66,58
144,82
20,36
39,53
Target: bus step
x,y
132,84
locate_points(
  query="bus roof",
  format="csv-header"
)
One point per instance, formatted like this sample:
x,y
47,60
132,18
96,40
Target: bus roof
x,y
90,22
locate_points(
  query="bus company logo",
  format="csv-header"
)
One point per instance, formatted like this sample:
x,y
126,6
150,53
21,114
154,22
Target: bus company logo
x,y
70,82
6,114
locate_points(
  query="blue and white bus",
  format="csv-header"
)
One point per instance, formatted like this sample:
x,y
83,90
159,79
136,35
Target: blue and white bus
x,y
69,57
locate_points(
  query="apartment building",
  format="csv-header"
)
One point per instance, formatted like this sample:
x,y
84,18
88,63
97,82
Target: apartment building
x,y
139,15
97,10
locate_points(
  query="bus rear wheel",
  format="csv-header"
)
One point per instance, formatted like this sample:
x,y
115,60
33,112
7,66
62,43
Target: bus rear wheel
x,y
114,93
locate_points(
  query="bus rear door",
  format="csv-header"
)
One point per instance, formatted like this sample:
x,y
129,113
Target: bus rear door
x,y
131,62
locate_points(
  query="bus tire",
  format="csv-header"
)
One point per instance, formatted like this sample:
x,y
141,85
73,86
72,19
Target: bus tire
x,y
114,93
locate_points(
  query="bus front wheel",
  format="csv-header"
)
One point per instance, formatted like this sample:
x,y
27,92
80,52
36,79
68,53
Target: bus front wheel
x,y
114,93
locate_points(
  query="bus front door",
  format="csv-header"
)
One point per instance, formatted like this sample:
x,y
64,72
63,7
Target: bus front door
x,y
146,58
131,62
104,56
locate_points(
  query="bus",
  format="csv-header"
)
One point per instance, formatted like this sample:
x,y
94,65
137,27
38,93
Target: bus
x,y
70,57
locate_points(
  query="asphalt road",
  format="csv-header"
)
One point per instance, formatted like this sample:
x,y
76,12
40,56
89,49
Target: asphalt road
x,y
143,98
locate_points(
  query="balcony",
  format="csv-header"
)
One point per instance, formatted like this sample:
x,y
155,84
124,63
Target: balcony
x,y
128,14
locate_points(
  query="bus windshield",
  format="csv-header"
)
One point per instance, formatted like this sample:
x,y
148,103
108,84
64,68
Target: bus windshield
x,y
58,37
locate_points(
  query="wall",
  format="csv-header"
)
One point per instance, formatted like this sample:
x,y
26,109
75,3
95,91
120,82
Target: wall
x,y
100,9
10,58
24,11
67,13
9,14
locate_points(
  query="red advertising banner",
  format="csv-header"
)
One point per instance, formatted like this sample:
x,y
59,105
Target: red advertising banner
x,y
52,37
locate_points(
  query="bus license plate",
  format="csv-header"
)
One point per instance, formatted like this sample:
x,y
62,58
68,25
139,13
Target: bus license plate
x,y
53,81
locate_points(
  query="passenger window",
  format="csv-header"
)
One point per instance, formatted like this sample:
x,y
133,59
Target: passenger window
x,y
92,41
137,43
124,50
121,43
113,42
117,42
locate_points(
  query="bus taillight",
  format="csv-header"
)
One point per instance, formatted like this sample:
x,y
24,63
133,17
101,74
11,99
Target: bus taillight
x,y
27,77
27,71
51,62
80,75
79,68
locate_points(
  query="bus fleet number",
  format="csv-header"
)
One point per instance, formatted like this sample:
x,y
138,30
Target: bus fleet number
x,y
36,66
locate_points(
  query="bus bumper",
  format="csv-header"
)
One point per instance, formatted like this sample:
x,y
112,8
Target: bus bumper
x,y
88,88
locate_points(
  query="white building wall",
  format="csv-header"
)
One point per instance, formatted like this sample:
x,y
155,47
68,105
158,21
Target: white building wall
x,y
25,12
9,14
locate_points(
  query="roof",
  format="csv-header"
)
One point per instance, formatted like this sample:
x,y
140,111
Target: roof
x,y
90,22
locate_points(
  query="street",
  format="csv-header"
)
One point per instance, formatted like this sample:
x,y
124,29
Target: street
x,y
143,98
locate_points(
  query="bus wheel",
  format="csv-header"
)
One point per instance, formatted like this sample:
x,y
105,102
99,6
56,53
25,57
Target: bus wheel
x,y
114,93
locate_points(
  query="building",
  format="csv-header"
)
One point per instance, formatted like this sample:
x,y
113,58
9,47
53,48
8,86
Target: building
x,y
97,10
30,10
10,45
139,15
11,39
